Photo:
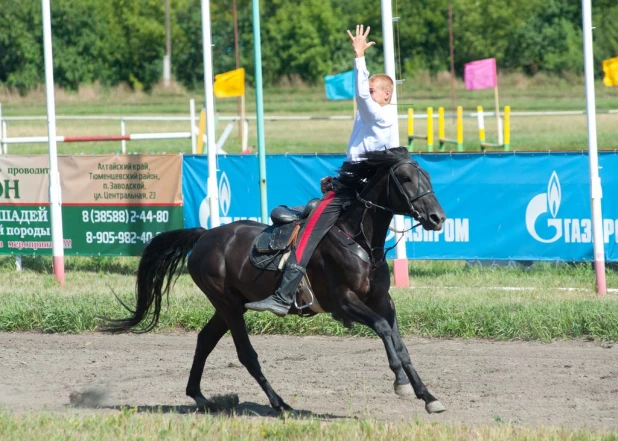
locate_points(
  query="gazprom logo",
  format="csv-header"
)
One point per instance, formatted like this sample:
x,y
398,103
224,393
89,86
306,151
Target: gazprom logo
x,y
544,225
225,194
225,200
546,205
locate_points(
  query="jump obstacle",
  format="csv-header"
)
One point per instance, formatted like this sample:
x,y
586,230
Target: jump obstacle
x,y
506,145
458,141
442,139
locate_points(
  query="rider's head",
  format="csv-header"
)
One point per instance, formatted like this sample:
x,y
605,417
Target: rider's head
x,y
381,88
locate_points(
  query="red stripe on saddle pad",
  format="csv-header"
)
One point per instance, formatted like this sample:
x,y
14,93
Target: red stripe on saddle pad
x,y
311,223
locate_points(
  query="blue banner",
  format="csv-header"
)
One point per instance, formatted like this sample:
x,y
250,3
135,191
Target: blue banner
x,y
519,206
340,86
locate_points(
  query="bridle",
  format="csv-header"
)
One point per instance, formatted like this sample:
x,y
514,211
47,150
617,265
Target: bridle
x,y
410,200
411,210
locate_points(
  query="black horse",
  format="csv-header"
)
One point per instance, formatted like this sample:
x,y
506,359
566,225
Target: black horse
x,y
352,282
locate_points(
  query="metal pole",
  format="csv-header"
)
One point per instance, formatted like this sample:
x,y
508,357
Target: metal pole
x,y
212,188
452,53
401,262
167,61
5,146
2,132
123,131
55,203
239,100
259,109
596,192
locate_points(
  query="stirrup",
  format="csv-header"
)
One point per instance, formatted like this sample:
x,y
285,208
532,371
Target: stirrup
x,y
304,286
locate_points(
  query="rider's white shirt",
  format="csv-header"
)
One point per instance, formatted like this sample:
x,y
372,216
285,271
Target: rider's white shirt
x,y
374,125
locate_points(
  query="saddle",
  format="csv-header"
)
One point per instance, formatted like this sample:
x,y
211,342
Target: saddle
x,y
272,244
271,248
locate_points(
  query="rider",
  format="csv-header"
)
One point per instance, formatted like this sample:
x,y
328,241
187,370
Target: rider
x,y
374,129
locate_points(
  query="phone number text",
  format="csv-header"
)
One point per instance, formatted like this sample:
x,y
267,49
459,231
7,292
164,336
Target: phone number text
x,y
123,237
125,216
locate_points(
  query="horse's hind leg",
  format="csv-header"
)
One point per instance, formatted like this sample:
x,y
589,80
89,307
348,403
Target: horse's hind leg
x,y
249,359
207,339
398,357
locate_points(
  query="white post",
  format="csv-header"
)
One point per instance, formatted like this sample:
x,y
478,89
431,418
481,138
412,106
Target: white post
x,y
55,202
400,265
123,130
212,189
167,59
2,132
245,136
596,192
192,117
5,146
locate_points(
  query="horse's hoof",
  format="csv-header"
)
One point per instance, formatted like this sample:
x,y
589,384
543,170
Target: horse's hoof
x,y
435,407
404,390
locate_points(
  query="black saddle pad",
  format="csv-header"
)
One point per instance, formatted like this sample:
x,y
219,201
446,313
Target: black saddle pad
x,y
270,245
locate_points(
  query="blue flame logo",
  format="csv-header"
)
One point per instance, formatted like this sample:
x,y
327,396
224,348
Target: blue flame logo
x,y
225,194
554,194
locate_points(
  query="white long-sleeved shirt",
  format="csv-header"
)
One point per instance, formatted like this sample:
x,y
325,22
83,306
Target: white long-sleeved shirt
x,y
374,125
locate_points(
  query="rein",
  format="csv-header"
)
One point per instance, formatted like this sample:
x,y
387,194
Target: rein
x,y
391,174
411,210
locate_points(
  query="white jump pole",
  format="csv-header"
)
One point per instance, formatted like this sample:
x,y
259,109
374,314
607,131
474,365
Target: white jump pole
x,y
212,188
400,265
596,192
55,202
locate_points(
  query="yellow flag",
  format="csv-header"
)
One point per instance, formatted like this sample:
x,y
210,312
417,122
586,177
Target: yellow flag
x,y
610,69
230,83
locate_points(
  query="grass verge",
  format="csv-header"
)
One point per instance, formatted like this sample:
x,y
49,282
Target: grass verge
x,y
128,425
447,299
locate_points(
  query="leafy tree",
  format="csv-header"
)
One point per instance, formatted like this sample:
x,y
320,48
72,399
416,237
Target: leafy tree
x,y
303,40
21,45
549,40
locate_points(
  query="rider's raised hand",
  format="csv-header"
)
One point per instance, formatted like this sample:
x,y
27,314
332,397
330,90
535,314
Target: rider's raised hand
x,y
359,41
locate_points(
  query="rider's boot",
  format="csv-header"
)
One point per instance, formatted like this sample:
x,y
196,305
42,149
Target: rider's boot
x,y
280,302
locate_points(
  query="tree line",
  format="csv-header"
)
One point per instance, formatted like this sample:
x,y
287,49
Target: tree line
x,y
123,41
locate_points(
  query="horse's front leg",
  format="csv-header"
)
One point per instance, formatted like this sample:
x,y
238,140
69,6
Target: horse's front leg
x,y
385,325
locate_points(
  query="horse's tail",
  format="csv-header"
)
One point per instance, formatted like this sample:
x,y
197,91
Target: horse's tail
x,y
155,277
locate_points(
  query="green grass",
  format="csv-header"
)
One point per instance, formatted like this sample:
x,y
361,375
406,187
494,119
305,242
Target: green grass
x,y
128,425
447,299
540,93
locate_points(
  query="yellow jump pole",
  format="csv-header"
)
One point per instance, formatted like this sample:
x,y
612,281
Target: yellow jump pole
x,y
441,136
481,124
200,136
507,128
459,129
430,129
410,130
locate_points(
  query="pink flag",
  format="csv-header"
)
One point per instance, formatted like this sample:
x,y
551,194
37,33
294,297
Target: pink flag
x,y
481,74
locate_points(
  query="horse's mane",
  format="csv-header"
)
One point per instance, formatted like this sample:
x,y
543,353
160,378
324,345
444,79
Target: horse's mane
x,y
354,175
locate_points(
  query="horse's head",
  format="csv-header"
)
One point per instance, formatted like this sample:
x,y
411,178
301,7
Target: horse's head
x,y
409,192
394,182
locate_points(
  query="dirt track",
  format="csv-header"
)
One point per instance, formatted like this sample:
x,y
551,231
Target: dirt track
x,y
572,384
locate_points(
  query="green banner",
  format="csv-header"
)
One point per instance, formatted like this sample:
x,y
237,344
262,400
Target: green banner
x,y
88,231
111,204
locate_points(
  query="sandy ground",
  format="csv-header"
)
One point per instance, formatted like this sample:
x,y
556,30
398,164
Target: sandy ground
x,y
571,384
